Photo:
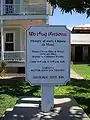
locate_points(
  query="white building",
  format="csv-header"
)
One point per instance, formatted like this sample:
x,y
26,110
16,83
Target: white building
x,y
80,43
15,17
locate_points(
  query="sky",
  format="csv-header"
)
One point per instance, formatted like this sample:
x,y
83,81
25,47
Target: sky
x,y
67,19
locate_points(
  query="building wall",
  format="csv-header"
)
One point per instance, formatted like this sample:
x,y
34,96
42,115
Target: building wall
x,y
17,36
19,27
11,70
80,39
23,23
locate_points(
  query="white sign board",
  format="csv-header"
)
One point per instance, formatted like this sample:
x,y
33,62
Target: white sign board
x,y
48,55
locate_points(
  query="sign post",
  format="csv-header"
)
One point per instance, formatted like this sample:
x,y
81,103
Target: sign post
x,y
47,96
48,60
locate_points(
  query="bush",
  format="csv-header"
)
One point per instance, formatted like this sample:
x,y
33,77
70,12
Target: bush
x,y
3,68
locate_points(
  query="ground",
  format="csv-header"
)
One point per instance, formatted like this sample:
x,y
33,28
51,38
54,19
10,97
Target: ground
x,y
78,88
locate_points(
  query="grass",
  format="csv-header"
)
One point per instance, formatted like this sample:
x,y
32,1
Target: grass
x,y
82,69
10,93
79,89
6,101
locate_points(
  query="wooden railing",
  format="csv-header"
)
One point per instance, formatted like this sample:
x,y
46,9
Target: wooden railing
x,y
14,56
28,9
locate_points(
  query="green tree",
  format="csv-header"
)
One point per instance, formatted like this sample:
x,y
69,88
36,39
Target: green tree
x,y
80,6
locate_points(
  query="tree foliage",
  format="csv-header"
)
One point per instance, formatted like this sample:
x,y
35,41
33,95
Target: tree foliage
x,y
80,6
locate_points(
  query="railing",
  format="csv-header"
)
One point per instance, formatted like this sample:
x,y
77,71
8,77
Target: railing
x,y
28,9
11,9
14,56
35,9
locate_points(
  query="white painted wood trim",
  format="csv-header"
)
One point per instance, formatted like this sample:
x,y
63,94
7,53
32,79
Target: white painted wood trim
x,y
21,6
13,27
21,39
1,8
24,17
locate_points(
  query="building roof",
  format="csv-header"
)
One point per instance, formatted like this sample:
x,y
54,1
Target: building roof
x,y
82,27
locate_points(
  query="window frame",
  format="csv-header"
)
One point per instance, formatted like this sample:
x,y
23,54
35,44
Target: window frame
x,y
9,10
5,42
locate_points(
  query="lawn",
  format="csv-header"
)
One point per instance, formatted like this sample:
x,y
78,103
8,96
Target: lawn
x,y
82,69
79,89
10,93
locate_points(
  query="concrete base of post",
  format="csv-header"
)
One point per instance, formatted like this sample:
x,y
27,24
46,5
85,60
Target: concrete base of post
x,y
47,96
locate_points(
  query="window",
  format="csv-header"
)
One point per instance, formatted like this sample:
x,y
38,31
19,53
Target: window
x,y
9,42
9,1
9,7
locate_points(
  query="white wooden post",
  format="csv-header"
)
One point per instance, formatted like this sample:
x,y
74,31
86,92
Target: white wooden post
x,y
47,96
2,33
22,6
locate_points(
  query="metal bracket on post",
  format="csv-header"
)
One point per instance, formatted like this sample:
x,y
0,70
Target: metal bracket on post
x,y
47,96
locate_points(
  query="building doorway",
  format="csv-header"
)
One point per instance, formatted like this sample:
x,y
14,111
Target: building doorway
x,y
78,53
88,54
